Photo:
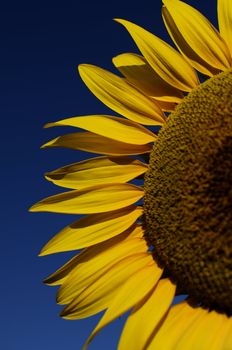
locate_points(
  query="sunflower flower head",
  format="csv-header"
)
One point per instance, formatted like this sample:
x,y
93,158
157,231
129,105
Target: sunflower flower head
x,y
143,245
188,194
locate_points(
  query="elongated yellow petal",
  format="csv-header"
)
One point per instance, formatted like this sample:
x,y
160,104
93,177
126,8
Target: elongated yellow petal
x,y
174,325
87,141
118,129
96,171
220,334
167,106
225,21
95,199
136,334
201,333
131,293
187,51
120,96
92,260
92,229
165,61
227,342
98,296
140,74
199,33
88,271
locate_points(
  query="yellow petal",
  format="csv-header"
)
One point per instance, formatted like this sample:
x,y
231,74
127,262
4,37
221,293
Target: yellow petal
x,y
92,229
227,343
165,61
201,333
131,293
225,21
90,142
199,34
93,263
167,106
187,51
59,276
99,295
173,326
118,129
220,336
96,171
120,96
140,74
95,199
137,333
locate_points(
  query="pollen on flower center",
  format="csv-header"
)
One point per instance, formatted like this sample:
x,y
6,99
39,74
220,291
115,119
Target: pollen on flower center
x,y
188,194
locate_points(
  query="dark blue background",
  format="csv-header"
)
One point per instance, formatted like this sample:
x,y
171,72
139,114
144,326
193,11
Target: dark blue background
x,y
42,42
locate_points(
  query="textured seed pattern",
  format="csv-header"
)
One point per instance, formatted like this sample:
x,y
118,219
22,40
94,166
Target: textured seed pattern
x,y
188,194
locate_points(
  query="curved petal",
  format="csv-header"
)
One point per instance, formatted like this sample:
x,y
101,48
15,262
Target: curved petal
x,y
199,33
165,61
140,74
94,260
92,229
167,106
174,325
132,292
99,294
96,171
95,199
187,51
118,129
120,96
90,142
202,332
225,21
220,335
227,343
136,334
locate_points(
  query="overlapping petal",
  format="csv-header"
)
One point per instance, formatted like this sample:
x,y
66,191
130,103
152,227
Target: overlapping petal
x,y
179,318
92,229
98,295
187,51
131,292
93,261
90,142
165,61
225,21
140,74
193,28
227,341
96,171
167,106
120,96
118,129
202,332
135,335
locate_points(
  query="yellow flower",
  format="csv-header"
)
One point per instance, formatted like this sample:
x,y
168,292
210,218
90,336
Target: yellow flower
x,y
177,131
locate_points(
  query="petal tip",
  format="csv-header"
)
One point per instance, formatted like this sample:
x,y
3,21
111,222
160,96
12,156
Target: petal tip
x,y
49,143
48,125
121,21
43,252
32,208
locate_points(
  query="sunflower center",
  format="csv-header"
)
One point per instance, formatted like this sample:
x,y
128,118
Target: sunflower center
x,y
188,195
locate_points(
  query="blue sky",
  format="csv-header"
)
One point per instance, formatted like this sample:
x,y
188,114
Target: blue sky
x,y
42,44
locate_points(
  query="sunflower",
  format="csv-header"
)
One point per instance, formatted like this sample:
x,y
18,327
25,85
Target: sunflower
x,y
156,204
